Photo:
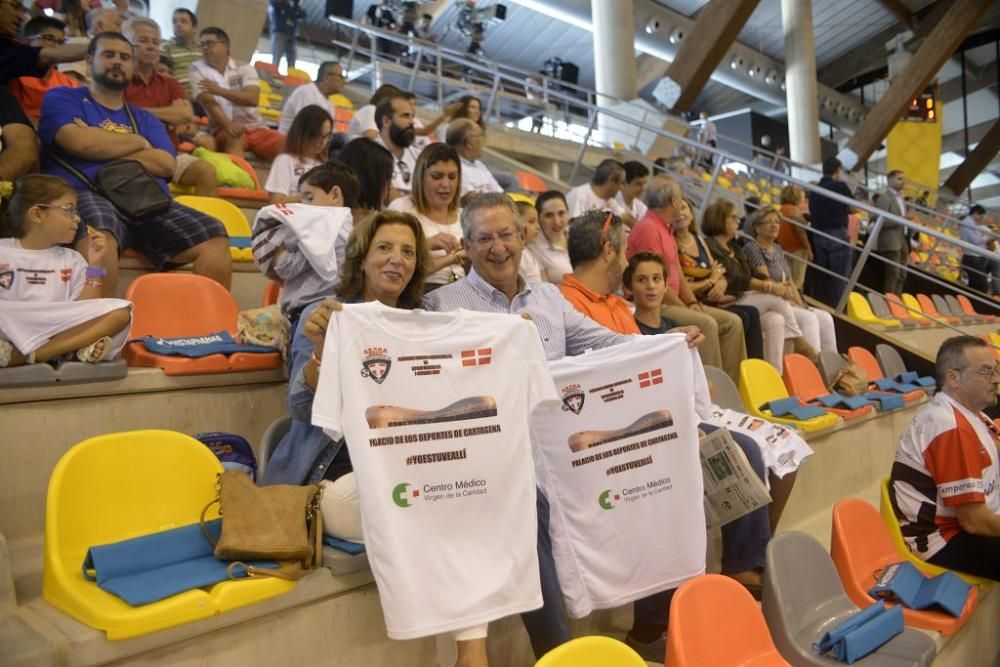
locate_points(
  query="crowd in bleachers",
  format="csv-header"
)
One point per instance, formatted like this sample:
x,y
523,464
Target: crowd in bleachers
x,y
391,210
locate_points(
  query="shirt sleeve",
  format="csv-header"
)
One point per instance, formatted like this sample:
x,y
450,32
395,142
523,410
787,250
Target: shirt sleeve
x,y
279,179
60,106
19,60
79,274
195,76
10,111
153,130
328,404
754,256
954,460
174,88
248,74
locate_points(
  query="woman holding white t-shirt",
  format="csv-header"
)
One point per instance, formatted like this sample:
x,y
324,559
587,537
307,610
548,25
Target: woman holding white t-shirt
x,y
305,148
437,179
550,248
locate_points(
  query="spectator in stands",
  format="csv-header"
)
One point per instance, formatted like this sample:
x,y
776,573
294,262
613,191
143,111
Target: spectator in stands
x,y
425,131
469,107
41,213
84,128
41,31
793,237
17,59
724,345
19,145
893,238
599,194
629,197
493,240
834,254
74,12
326,187
437,181
944,486
163,97
531,269
550,247
165,66
329,81
104,20
767,260
720,225
973,229
228,90
708,135
923,198
184,49
467,138
707,278
363,123
305,148
394,117
283,18
372,164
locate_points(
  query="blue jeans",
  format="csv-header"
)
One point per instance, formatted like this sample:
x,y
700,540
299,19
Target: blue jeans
x,y
547,627
282,44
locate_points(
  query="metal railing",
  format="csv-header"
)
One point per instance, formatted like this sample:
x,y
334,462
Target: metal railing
x,y
511,84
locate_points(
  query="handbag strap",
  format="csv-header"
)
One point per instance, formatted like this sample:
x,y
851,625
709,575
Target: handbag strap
x,y
287,571
204,527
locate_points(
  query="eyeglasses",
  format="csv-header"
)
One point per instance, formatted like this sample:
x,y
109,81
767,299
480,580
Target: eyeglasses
x,y
50,39
208,43
986,372
404,171
485,241
155,41
68,209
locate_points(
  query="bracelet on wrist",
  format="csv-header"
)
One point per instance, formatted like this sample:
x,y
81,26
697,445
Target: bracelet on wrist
x,y
96,272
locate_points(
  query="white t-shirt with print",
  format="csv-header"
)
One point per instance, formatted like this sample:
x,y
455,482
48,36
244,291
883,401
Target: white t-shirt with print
x,y
476,177
434,408
618,459
286,169
449,273
581,199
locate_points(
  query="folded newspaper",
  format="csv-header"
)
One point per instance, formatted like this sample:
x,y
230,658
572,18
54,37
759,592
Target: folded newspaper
x,y
732,489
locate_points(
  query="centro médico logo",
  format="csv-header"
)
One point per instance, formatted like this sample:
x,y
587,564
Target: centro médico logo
x,y
607,499
401,494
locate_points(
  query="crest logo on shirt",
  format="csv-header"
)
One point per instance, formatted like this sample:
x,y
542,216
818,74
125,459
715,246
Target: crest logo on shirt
x,y
6,279
65,274
607,499
375,364
573,398
401,494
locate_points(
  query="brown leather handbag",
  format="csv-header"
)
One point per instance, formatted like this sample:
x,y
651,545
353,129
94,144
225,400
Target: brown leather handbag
x,y
281,522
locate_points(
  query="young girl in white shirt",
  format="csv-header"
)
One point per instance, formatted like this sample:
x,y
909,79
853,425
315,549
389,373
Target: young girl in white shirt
x,y
305,147
40,214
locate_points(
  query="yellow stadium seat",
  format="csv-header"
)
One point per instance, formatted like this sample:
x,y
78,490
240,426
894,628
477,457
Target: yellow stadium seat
x,y
593,651
705,176
765,199
752,187
123,485
913,305
296,73
760,384
232,219
775,191
724,182
859,309
519,196
341,101
885,507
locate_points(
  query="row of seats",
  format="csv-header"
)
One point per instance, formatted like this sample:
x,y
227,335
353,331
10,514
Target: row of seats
x,y
909,311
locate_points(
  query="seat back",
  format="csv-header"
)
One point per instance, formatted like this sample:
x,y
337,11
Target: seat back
x,y
530,182
760,383
911,302
899,310
802,378
889,360
272,292
942,306
801,583
724,390
272,436
296,73
866,361
593,651
927,305
226,212
858,309
879,306
342,119
966,305
860,546
829,363
954,307
170,305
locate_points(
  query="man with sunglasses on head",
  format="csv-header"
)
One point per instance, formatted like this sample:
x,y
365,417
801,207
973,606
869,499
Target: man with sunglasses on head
x,y
394,119
17,59
943,485
41,31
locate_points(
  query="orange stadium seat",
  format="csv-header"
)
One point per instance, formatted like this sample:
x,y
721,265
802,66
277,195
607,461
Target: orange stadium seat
x,y
861,548
967,307
699,635
342,119
927,305
869,364
271,293
257,194
532,183
169,305
803,380
900,312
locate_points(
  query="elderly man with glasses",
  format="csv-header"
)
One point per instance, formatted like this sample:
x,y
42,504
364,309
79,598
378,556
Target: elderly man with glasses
x,y
329,81
944,480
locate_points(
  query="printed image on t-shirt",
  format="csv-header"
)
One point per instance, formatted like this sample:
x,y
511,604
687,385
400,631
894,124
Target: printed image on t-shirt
x,y
658,420
476,407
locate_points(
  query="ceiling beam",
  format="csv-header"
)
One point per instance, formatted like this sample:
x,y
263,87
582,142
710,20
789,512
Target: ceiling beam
x,y
718,24
955,141
976,161
899,10
649,68
961,18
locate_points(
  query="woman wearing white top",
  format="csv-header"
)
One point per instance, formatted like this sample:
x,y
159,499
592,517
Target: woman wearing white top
x,y
437,178
550,248
305,148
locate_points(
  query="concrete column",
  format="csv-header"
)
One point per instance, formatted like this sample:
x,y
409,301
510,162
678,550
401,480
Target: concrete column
x,y
614,49
800,81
